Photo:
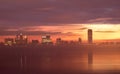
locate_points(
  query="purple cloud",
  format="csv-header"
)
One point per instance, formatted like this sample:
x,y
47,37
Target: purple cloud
x,y
55,12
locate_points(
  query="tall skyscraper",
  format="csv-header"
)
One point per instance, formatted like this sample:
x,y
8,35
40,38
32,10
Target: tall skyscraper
x,y
90,40
46,39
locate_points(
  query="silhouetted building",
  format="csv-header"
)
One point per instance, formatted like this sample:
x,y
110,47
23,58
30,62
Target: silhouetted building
x,y
90,40
58,41
21,39
46,39
34,42
9,41
79,40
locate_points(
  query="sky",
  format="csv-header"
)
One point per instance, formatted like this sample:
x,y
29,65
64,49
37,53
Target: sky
x,y
61,18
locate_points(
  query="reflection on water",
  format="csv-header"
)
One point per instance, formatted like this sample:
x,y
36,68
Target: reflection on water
x,y
101,61
74,63
106,61
74,59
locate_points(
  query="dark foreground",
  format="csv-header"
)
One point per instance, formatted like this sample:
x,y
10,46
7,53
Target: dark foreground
x,y
65,59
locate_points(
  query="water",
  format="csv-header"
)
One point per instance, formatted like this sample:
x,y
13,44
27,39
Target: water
x,y
50,59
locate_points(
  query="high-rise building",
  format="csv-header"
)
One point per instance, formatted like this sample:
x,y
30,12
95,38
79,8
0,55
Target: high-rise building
x,y
9,41
46,39
90,40
21,39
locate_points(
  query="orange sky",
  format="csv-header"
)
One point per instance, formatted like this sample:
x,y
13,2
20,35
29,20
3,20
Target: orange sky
x,y
74,31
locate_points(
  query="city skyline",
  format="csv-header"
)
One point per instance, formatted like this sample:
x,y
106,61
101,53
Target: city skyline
x,y
68,19
89,33
100,32
60,36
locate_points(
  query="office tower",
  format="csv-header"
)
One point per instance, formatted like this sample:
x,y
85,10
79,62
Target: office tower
x,y
9,41
90,36
21,39
46,39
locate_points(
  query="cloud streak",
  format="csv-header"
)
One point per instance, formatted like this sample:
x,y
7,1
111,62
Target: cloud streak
x,y
105,31
37,30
